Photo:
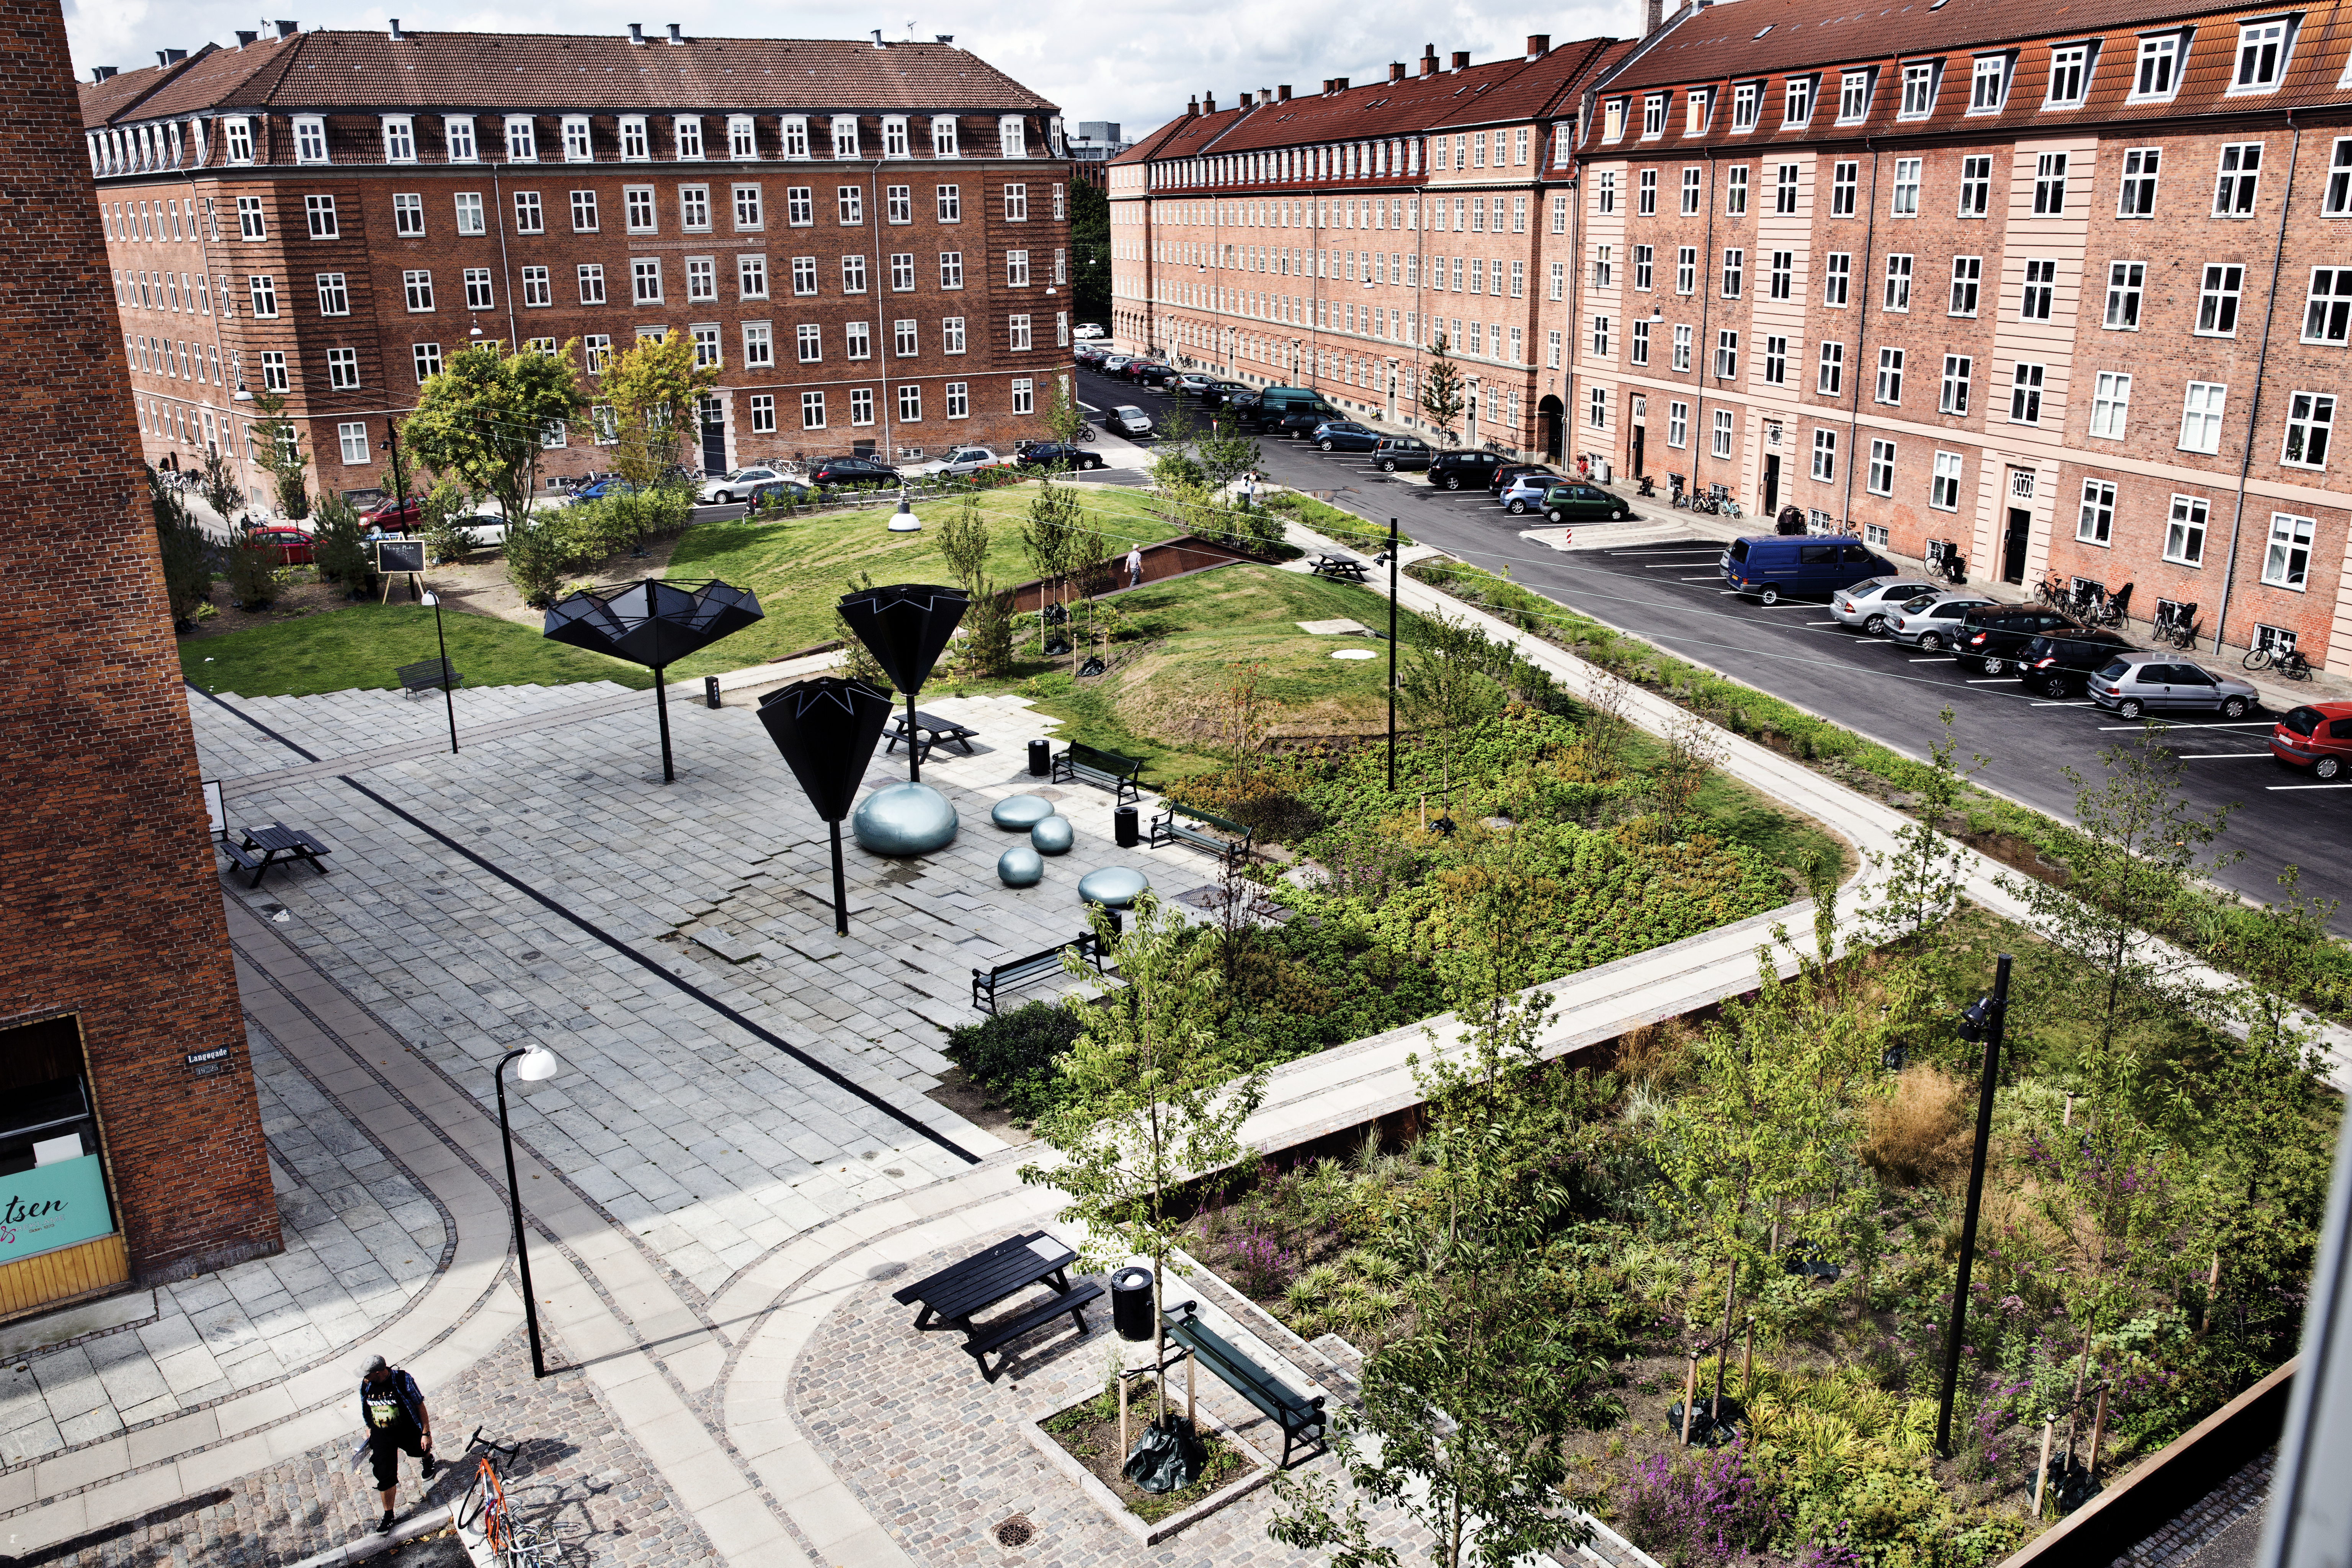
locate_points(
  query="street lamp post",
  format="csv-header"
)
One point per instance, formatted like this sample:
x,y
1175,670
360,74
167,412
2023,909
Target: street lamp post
x,y
449,695
538,1063
1981,1022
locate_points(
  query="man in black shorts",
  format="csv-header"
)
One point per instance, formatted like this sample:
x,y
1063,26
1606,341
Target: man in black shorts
x,y
391,1408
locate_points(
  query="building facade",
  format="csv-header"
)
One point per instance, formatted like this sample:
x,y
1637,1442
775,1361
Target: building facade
x,y
869,239
131,1142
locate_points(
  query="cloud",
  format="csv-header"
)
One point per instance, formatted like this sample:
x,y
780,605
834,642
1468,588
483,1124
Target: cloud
x,y
1136,64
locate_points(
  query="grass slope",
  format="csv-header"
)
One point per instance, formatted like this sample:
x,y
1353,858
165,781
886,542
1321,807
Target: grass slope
x,y
337,650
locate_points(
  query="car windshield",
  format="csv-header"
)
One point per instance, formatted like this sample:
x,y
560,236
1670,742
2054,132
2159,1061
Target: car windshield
x,y
2302,720
1919,603
2113,669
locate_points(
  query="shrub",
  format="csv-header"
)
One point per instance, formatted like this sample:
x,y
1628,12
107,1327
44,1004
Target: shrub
x,y
1703,1509
535,561
1012,1054
252,572
1917,1134
188,554
343,554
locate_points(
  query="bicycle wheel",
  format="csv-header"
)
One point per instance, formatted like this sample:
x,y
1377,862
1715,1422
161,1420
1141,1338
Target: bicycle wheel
x,y
528,1548
2258,658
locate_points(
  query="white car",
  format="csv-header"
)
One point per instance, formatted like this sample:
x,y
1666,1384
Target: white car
x,y
1932,621
1871,604
1087,331
963,461
729,488
1127,420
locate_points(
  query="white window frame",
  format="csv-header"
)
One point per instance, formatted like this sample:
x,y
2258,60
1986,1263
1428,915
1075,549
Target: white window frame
x,y
1878,477
2327,306
2204,404
1943,483
2110,393
310,139
578,145
2312,415
2185,529
2096,522
1854,88
521,139
2069,66
2246,59
1920,80
2159,56
2287,554
2028,380
399,138
1824,464
742,139
457,141
1988,84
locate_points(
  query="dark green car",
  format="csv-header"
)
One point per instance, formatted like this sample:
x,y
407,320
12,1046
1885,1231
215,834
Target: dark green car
x,y
1582,503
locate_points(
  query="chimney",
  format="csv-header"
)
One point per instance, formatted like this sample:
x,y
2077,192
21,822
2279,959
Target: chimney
x,y
637,30
288,29
1285,92
1429,60
947,39
99,73
1208,103
1461,62
1653,13
1244,100
1396,71
163,56
244,38
1265,95
396,34
1538,45
677,34
1193,110
1338,84
877,38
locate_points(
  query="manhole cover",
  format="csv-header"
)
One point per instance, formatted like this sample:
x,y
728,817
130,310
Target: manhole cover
x,y
1016,1532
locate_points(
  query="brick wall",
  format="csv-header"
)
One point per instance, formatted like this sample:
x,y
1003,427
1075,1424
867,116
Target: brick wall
x,y
107,883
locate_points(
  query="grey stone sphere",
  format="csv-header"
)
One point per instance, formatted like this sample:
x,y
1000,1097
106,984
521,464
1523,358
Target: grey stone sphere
x,y
1020,867
1115,886
904,819
1021,811
1052,836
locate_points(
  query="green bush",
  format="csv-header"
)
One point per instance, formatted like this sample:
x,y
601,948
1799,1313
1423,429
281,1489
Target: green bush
x,y
344,556
1012,1054
445,544
536,558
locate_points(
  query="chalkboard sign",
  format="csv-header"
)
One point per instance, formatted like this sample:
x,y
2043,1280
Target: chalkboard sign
x,y
399,555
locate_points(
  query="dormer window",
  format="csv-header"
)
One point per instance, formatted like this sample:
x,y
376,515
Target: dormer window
x,y
310,139
523,140
634,148
943,136
237,140
1013,136
1918,90
458,134
577,148
1654,116
688,129
2070,76
1853,97
1612,120
2156,74
1988,84
2262,48
1696,106
742,141
844,136
399,138
1747,105
894,136
1797,109
793,131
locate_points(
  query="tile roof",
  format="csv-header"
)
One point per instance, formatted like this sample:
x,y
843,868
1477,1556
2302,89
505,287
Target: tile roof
x,y
549,72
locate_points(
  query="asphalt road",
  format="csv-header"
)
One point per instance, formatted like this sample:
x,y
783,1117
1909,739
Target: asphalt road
x,y
1670,592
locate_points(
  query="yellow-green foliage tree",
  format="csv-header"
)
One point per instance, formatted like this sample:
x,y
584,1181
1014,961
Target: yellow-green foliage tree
x,y
653,389
482,421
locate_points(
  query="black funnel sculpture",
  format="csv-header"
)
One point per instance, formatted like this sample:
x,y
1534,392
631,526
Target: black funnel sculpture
x,y
826,729
905,626
653,622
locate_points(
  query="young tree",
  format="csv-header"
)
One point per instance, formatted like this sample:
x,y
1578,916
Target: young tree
x,y
1064,416
1226,452
1922,876
1442,397
653,389
282,455
963,541
483,419
187,553
1449,682
1051,540
343,552
1693,752
1148,1100
222,490
446,541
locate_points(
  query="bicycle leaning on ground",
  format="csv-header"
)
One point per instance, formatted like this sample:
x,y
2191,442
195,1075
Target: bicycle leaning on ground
x,y
2175,625
511,1544
2287,661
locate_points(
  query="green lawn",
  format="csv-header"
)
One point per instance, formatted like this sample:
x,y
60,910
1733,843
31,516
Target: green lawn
x,y
336,650
800,569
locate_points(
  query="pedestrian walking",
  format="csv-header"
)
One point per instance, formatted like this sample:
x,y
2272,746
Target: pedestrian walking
x,y
1249,489
392,1409
1135,566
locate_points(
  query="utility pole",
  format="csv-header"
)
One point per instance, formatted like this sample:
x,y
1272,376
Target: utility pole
x,y
1981,1022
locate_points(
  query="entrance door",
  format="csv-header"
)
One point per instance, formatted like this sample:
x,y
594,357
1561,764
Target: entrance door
x,y
2012,545
1771,486
1638,432
714,438
1552,419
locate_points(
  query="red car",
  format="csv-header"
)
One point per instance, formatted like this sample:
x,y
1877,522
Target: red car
x,y
2317,735
402,515
293,545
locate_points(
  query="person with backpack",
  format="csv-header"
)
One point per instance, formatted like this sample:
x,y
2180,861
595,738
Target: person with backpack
x,y
392,1412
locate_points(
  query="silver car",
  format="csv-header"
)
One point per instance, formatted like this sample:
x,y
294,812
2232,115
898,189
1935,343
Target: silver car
x,y
1524,492
1872,603
2137,683
1932,621
1129,420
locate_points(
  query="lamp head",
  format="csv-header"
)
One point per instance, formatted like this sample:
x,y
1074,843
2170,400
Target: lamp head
x,y
1976,1022
538,1062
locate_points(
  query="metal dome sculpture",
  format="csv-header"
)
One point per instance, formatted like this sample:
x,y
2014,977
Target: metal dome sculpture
x,y
906,626
655,622
827,731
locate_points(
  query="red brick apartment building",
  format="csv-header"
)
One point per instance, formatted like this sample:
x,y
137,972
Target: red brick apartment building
x,y
870,238
130,1146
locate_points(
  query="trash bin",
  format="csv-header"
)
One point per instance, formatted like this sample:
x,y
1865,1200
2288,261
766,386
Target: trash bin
x,y
710,690
1130,1303
1601,471
1125,828
1041,759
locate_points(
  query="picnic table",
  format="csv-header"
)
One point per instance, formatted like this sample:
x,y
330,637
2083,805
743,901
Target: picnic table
x,y
930,730
1340,568
956,1293
279,844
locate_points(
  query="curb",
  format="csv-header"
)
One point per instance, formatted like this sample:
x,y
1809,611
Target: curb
x,y
367,1546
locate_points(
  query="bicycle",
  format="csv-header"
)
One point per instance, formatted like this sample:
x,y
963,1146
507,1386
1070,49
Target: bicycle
x,y
2176,626
1085,432
512,1544
2288,661
1953,567
2053,592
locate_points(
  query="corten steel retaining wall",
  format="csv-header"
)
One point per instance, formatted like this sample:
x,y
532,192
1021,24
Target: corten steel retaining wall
x,y
108,888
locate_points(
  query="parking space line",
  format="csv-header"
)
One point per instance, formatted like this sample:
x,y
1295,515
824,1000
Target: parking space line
x,y
1931,659
1824,623
1990,680
1710,577
2275,788
2234,724
2217,756
2079,702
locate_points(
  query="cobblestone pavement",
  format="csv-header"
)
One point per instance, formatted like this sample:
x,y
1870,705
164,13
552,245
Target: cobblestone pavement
x,y
578,1476
2186,1539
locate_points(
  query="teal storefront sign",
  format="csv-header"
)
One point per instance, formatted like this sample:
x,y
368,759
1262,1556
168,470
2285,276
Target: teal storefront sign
x,y
51,1207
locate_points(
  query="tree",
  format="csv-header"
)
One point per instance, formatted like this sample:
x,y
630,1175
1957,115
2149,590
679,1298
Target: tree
x,y
1693,752
223,490
653,389
1089,254
1051,539
1174,459
1148,1100
1226,453
1924,874
283,456
482,421
1449,682
446,541
343,552
963,541
1064,416
188,554
1443,397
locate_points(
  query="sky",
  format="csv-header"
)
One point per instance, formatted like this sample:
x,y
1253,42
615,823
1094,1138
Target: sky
x,y
1136,65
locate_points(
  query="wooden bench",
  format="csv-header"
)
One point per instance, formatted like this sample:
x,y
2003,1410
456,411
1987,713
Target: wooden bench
x,y
930,730
995,1336
1123,776
1338,568
1166,829
244,857
427,675
1301,1420
1020,971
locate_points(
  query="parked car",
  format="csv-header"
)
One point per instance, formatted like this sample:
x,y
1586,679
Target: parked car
x,y
2317,735
1054,454
1114,364
2137,683
1090,354
597,489
1150,373
854,470
1872,603
1086,331
1193,381
1220,394
1343,436
729,488
397,515
1273,406
1396,452
1524,492
962,461
772,492
1463,469
2057,663
1770,565
1932,621
1128,421
1506,472
292,545
1577,502
1993,635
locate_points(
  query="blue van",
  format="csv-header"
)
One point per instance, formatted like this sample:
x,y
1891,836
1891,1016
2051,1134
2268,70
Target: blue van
x,y
1812,566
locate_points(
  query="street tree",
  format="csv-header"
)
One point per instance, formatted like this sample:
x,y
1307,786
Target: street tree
x,y
653,389
483,421
1921,877
1449,681
1442,394
280,452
